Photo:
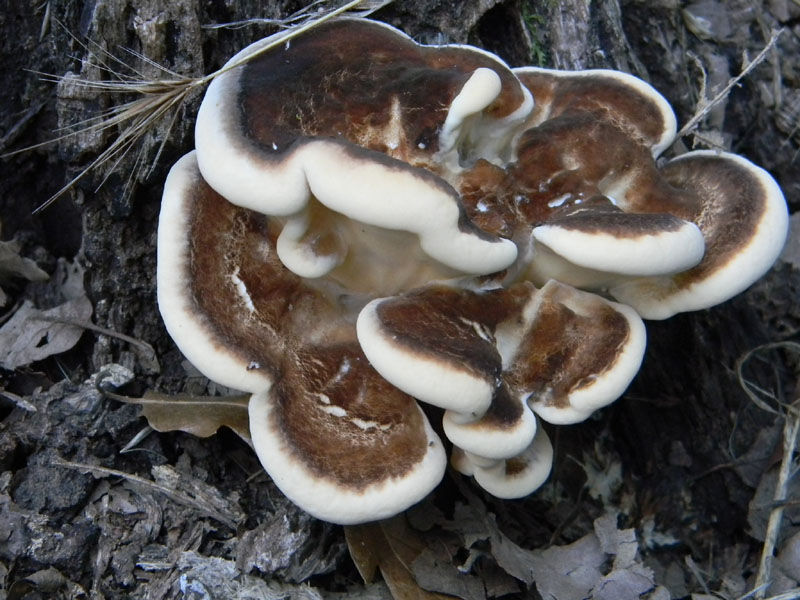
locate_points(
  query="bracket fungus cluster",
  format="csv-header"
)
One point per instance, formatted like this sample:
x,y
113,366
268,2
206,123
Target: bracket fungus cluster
x,y
368,223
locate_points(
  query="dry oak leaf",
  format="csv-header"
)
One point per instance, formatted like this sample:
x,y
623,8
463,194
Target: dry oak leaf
x,y
199,415
391,546
33,334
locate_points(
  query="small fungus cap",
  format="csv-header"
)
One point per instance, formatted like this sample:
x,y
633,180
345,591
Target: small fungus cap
x,y
744,218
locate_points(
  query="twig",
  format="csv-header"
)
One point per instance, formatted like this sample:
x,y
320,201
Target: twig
x,y
18,127
18,400
173,495
791,430
281,38
791,427
773,504
698,574
706,105
748,387
569,517
134,441
45,21
296,17
792,594
144,346
283,23
10,313
719,467
752,592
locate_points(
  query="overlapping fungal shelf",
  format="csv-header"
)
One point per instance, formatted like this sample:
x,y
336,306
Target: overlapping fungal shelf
x,y
368,223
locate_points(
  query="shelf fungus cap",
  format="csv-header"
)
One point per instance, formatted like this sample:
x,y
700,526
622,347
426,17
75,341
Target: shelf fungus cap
x,y
669,238
487,356
336,437
333,138
606,239
346,451
577,352
744,219
402,341
359,230
634,105
505,429
197,293
511,478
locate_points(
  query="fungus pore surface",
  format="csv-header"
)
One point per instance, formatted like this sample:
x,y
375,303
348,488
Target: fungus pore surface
x,y
368,223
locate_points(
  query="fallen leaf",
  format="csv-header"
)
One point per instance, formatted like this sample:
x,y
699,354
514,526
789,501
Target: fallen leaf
x,y
199,415
475,524
762,505
575,571
583,569
14,265
435,573
32,334
48,582
391,546
624,584
569,572
362,541
621,543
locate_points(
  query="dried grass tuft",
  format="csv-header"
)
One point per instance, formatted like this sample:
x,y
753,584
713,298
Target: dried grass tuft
x,y
161,99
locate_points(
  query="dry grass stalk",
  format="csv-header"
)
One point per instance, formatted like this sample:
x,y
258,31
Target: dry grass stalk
x,y
705,104
791,428
174,495
791,432
158,99
298,17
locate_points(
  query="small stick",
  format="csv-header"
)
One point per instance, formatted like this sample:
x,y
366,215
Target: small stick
x,y
791,428
103,331
707,105
169,493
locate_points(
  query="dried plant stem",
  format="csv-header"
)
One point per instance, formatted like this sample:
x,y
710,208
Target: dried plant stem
x,y
281,38
791,428
704,106
102,330
135,118
158,99
173,495
793,594
18,400
15,130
